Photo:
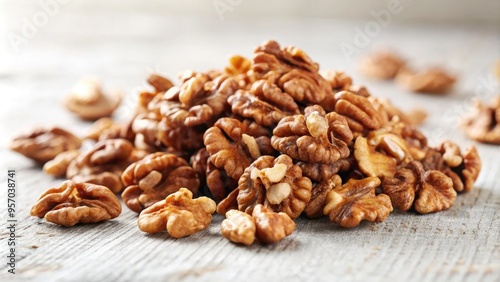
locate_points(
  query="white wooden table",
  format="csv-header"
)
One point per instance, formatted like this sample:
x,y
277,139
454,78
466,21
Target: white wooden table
x,y
461,244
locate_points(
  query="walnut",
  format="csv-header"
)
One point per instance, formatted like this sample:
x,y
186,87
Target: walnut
x,y
276,183
358,111
392,144
104,163
483,122
433,80
229,203
44,144
238,227
247,105
470,168
199,162
160,83
292,70
234,145
338,80
415,116
314,208
238,65
381,65
59,165
355,201
179,214
105,128
154,177
427,191
319,172
314,137
73,203
271,227
87,100
371,162
201,100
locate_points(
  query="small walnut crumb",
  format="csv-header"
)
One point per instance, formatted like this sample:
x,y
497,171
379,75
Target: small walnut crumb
x,y
179,214
483,122
271,227
44,144
433,80
238,227
59,165
87,100
72,203
382,65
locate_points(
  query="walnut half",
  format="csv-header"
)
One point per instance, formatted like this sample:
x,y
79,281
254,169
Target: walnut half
x,y
73,203
179,214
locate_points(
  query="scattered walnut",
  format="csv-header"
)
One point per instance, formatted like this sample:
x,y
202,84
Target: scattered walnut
x,y
156,176
358,111
483,122
314,137
276,183
59,165
427,191
104,163
87,100
238,227
381,65
234,145
179,214
44,144
314,208
432,80
356,201
73,203
271,227
371,162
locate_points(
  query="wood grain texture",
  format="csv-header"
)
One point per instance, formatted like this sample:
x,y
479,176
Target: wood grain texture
x,y
461,244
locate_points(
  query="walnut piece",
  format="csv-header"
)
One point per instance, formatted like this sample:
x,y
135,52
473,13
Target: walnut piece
x,y
381,65
371,162
271,227
427,191
238,227
154,177
355,201
59,165
234,145
179,214
319,172
73,203
104,163
314,137
483,122
44,144
314,208
358,110
160,83
276,183
433,80
87,100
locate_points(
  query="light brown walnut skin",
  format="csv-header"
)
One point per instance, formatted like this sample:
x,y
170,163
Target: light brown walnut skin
x,y
59,165
155,177
73,203
271,227
238,227
179,214
314,208
44,144
371,162
356,201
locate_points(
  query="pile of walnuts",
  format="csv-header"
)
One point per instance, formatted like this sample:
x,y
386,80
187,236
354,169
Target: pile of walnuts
x,y
269,139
